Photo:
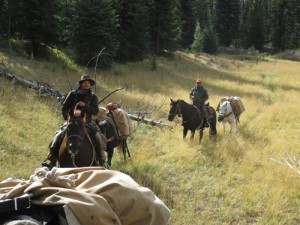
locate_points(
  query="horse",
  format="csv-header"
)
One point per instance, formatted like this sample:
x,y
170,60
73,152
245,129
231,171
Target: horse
x,y
192,119
227,115
78,148
109,129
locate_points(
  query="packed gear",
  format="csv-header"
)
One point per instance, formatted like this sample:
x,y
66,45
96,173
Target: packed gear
x,y
112,106
236,104
122,120
85,196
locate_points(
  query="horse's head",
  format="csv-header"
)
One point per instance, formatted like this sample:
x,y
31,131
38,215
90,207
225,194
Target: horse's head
x,y
174,110
75,131
224,110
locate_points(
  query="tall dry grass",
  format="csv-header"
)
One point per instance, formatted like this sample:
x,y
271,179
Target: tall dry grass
x,y
230,181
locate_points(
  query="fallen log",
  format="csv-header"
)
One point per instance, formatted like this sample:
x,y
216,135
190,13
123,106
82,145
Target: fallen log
x,y
43,89
149,121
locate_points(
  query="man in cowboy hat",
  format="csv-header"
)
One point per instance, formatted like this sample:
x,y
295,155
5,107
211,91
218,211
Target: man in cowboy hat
x,y
85,98
88,101
199,96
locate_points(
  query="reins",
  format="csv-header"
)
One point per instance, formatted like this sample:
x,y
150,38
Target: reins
x,y
77,114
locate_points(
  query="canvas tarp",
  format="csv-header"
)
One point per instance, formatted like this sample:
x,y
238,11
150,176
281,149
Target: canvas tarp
x,y
123,122
96,196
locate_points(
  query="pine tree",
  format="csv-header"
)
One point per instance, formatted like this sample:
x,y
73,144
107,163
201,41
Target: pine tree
x,y
210,41
255,33
65,22
210,38
133,31
197,44
188,23
227,21
4,19
285,24
165,25
37,23
94,29
203,11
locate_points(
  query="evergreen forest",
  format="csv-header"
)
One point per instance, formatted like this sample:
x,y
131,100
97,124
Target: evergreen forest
x,y
130,30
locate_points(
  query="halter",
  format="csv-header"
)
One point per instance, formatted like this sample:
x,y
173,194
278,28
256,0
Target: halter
x,y
226,114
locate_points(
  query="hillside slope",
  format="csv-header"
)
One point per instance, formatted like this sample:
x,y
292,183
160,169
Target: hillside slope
x,y
230,181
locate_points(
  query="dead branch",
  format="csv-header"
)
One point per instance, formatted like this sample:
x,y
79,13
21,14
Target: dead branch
x,y
291,161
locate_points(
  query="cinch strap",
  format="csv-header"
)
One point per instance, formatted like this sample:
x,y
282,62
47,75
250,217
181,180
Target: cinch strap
x,y
17,203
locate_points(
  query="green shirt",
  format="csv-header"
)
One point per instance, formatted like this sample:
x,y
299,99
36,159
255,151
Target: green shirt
x,y
199,94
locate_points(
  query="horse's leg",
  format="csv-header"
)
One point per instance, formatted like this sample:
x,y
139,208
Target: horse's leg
x,y
185,130
224,126
201,135
234,126
192,135
110,153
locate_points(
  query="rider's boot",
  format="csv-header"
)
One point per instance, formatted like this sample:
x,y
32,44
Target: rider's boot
x,y
206,123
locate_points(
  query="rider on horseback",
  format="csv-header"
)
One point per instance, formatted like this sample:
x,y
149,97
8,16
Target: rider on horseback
x,y
88,101
199,95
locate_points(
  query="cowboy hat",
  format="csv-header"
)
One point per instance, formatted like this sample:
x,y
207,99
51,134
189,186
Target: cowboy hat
x,y
85,77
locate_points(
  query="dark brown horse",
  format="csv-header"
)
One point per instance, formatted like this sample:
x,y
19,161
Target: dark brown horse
x,y
192,119
78,148
109,129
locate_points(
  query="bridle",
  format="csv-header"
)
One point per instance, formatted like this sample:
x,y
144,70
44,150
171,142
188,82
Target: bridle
x,y
177,109
79,137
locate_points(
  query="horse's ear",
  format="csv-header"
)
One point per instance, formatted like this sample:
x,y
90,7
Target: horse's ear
x,y
172,100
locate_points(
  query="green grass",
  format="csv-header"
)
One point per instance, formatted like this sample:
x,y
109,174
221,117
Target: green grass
x,y
231,181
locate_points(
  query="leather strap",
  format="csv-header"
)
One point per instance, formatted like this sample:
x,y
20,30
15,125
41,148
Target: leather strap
x,y
17,203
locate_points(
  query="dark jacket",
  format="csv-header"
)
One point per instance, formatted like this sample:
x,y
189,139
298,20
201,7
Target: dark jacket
x,y
199,94
75,96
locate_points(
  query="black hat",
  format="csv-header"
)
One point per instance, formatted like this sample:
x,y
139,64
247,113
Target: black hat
x,y
85,77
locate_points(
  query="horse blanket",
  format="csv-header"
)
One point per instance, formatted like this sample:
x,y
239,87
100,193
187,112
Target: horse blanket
x,y
95,195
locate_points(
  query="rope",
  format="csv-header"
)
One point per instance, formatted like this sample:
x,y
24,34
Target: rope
x,y
94,151
53,174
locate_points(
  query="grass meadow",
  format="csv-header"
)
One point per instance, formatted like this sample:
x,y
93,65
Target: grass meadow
x,y
251,178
